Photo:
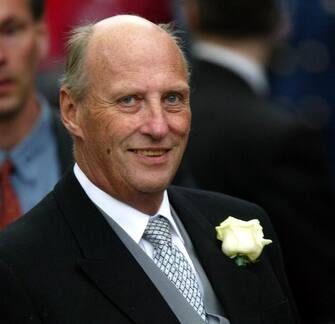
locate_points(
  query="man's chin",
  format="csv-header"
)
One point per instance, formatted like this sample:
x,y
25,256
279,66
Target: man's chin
x,y
154,186
8,112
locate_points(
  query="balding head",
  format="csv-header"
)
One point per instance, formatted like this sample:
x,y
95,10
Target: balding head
x,y
122,37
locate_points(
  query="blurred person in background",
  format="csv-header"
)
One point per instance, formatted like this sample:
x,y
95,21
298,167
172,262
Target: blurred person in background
x,y
303,68
242,145
34,146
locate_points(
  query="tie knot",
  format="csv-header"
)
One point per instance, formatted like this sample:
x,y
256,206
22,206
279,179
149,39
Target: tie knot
x,y
158,232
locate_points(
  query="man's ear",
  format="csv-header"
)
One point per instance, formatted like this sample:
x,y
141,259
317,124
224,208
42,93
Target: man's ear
x,y
70,111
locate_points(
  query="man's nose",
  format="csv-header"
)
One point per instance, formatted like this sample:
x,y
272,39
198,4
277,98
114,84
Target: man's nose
x,y
155,123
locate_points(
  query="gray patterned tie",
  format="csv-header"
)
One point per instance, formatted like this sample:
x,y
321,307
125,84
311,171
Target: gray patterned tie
x,y
172,262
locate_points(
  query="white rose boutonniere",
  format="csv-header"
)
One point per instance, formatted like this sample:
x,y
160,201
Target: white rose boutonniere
x,y
241,240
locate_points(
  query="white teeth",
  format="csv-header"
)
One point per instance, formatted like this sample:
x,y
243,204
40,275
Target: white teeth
x,y
151,153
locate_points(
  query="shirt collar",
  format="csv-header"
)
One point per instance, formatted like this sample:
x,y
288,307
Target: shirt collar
x,y
35,142
249,70
131,220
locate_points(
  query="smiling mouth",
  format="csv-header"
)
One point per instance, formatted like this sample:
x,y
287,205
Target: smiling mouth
x,y
151,153
6,84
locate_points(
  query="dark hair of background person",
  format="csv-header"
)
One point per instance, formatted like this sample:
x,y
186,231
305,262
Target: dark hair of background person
x,y
239,18
37,8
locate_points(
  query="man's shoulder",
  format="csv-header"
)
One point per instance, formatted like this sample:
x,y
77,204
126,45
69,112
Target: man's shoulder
x,y
214,204
195,193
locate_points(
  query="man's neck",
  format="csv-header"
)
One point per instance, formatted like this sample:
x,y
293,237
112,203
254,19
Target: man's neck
x,y
14,130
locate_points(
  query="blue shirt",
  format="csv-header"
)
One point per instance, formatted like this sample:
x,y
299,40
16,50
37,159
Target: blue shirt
x,y
35,160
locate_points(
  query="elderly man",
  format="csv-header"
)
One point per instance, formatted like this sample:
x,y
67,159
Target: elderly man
x,y
111,244
34,146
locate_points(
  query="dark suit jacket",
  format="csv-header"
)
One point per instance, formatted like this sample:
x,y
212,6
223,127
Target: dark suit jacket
x,y
243,146
62,263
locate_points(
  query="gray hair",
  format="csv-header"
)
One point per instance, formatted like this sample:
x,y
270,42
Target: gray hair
x,y
173,33
75,78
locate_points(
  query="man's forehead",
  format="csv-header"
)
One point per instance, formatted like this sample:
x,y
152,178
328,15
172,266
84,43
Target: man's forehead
x,y
122,29
124,39
10,9
132,44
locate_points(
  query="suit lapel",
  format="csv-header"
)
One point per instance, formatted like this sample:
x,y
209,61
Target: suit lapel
x,y
106,262
237,288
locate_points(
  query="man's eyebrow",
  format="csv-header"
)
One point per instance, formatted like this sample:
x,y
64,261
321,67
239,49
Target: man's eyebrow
x,y
178,89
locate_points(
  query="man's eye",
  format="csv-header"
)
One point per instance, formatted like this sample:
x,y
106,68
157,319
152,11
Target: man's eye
x,y
173,99
128,100
11,29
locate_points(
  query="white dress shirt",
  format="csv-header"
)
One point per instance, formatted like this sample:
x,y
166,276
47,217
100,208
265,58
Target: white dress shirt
x,y
131,220
249,70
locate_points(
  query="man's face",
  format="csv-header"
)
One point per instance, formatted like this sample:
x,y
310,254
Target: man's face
x,y
136,118
22,41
